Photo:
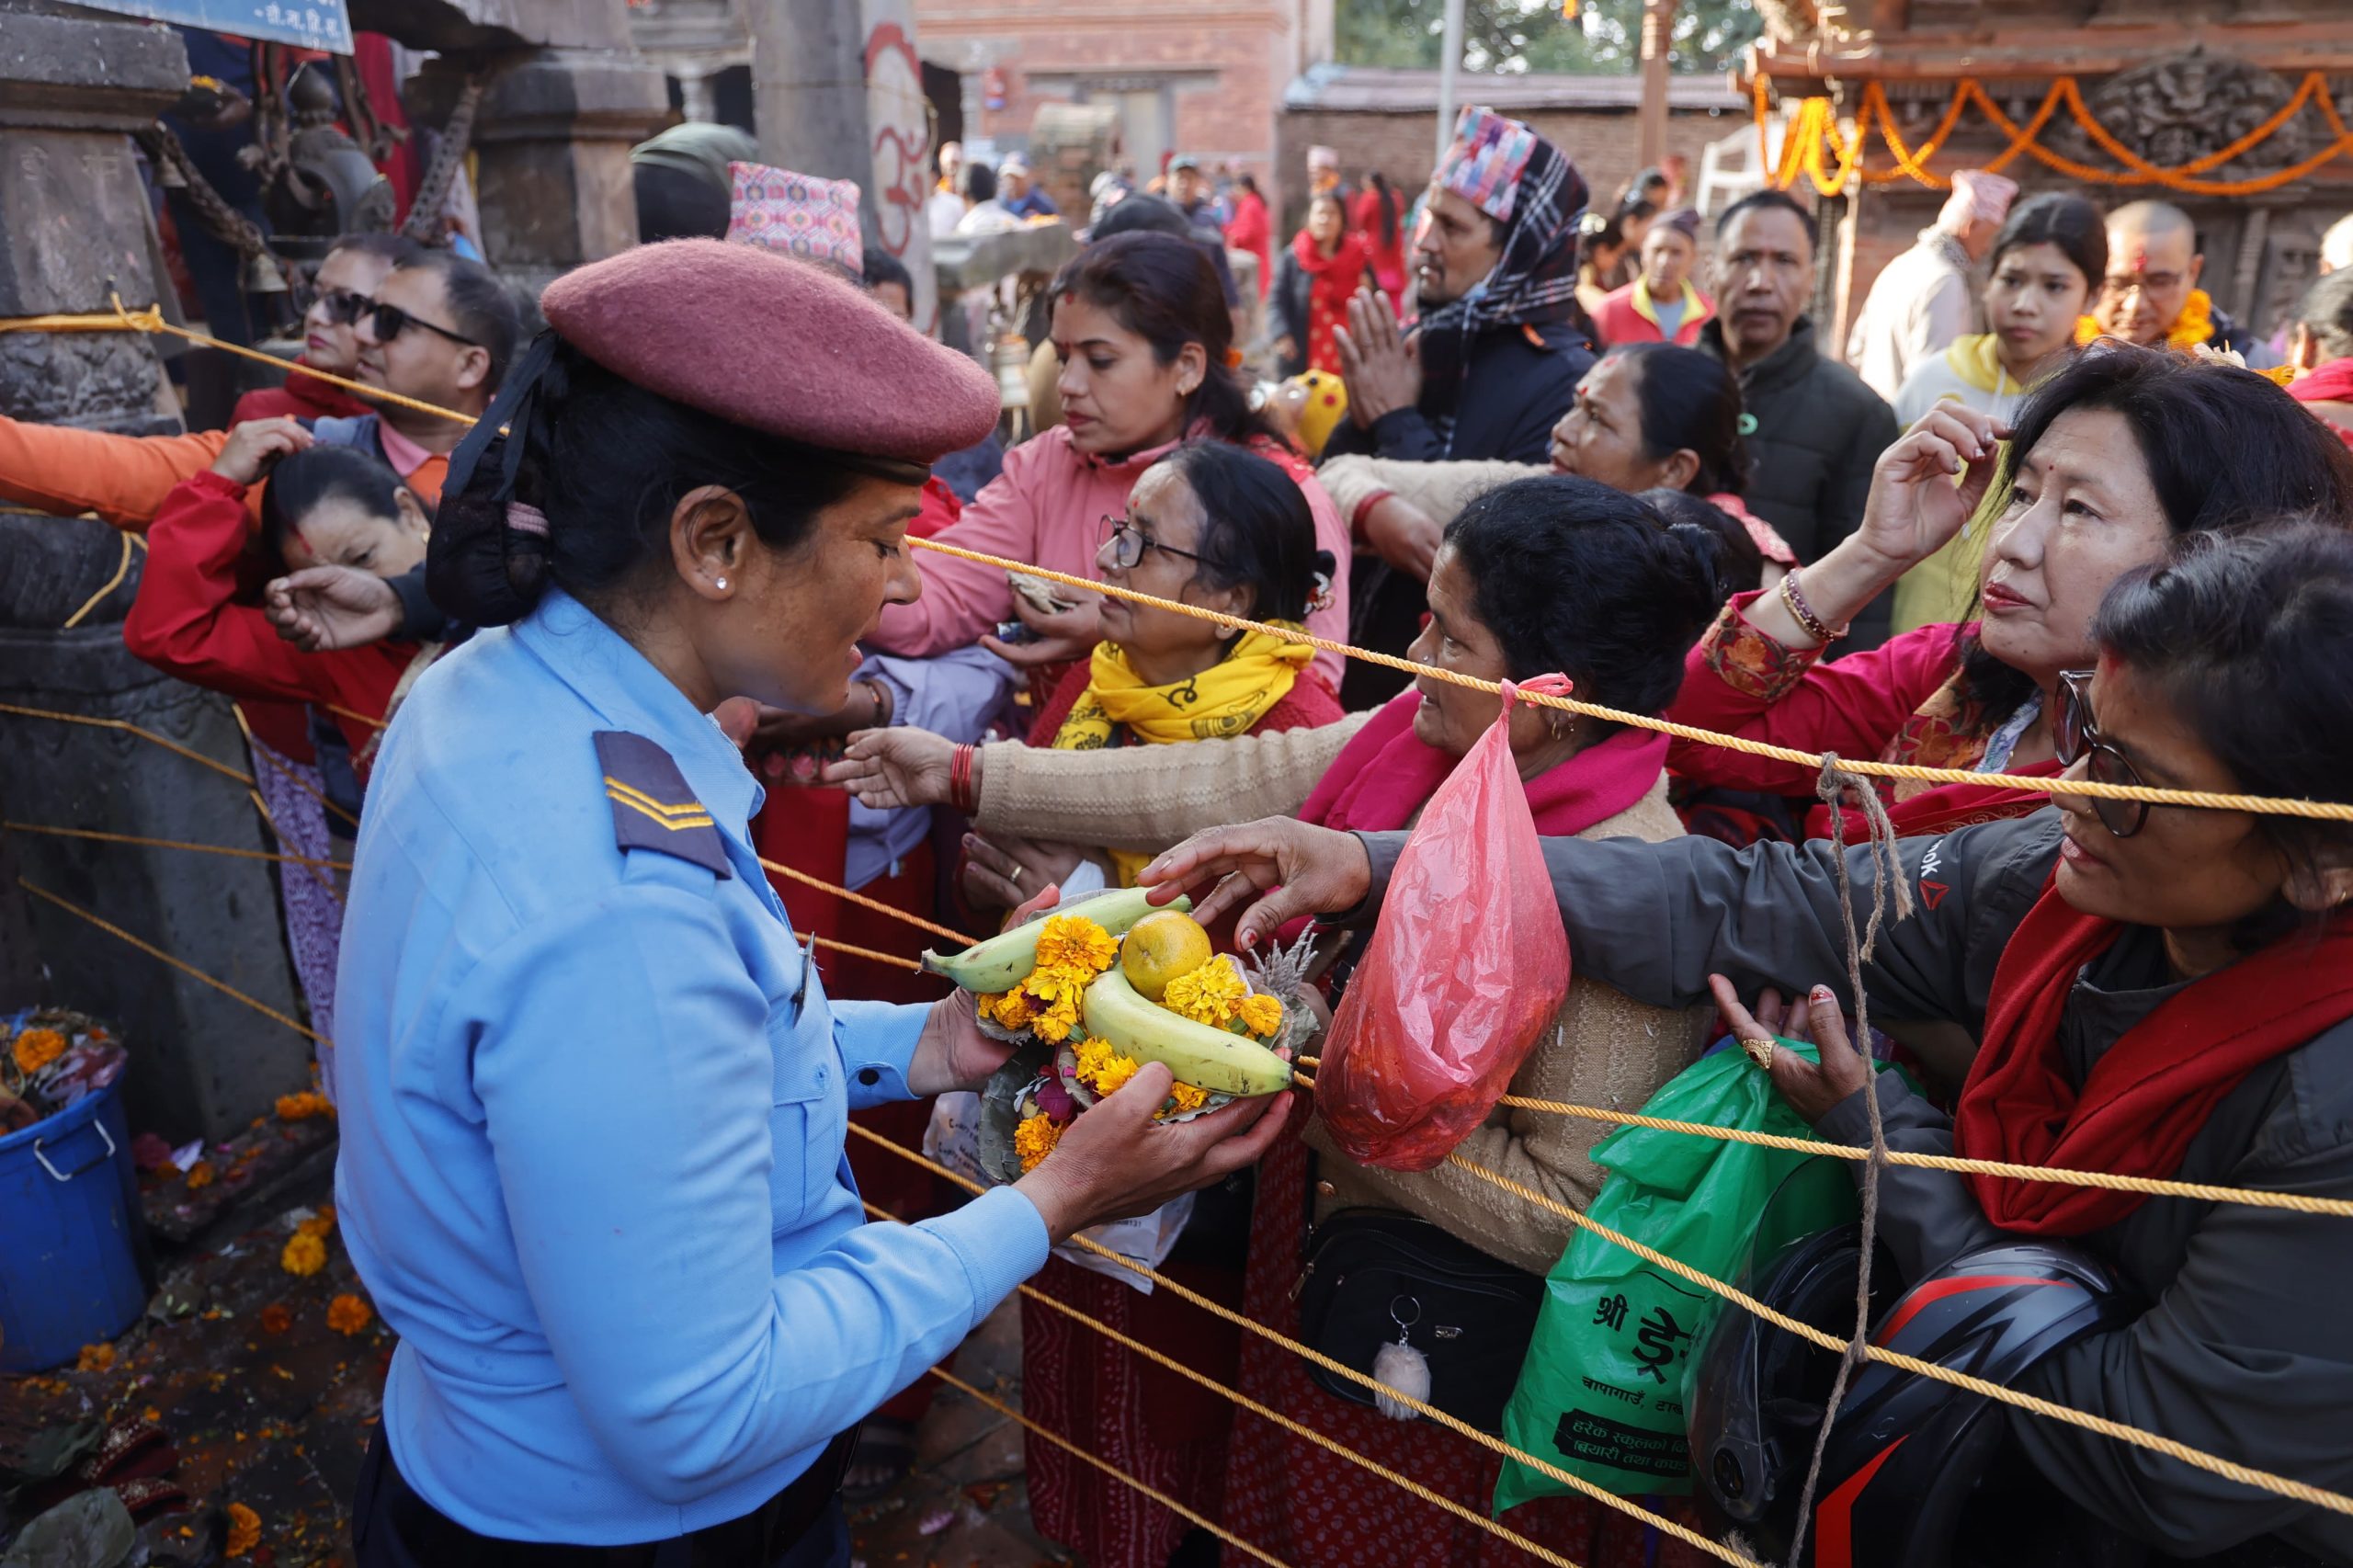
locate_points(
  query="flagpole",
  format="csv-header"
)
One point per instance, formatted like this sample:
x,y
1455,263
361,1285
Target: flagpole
x,y
1449,61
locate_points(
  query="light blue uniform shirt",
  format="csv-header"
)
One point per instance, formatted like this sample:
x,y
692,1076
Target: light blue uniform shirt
x,y
593,1104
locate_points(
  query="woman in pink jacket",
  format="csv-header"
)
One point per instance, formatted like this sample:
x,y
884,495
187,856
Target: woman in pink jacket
x,y
1144,338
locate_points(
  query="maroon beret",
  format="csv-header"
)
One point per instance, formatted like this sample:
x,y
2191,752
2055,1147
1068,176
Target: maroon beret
x,y
774,344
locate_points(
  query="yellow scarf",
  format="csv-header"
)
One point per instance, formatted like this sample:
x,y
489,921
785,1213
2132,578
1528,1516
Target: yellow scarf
x,y
1695,308
1974,357
2192,328
1223,701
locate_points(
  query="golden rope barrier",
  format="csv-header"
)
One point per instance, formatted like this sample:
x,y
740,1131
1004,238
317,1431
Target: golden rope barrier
x,y
2247,1476
2056,1176
120,572
863,901
1106,1466
893,960
171,843
2327,810
1460,1428
181,964
128,728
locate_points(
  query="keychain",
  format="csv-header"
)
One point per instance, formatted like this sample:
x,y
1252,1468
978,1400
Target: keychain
x,y
1402,1367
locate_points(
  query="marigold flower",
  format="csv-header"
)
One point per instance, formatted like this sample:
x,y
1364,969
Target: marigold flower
x,y
305,1254
245,1530
1102,1069
1008,1009
302,1106
200,1175
36,1049
320,1224
276,1318
1209,994
1074,942
1034,1140
1056,1022
94,1359
348,1313
1262,1015
1183,1097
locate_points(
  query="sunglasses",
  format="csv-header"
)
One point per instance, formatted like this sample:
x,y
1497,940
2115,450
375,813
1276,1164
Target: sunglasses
x,y
342,307
1129,543
388,322
2074,735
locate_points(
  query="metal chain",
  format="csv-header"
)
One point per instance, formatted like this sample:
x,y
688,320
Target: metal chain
x,y
433,190
223,222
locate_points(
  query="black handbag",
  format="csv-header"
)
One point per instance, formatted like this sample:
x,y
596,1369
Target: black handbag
x,y
1374,1274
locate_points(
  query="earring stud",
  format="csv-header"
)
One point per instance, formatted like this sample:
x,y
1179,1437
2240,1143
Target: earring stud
x,y
723,583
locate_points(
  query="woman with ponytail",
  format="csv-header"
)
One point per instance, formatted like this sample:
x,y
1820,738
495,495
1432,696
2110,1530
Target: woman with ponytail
x,y
1146,346
592,1094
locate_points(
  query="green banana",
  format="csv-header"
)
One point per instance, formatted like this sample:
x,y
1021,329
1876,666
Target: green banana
x,y
1006,960
1118,1014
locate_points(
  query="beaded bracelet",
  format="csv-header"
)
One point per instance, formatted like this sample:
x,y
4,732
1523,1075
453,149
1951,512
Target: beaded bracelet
x,y
1793,597
962,797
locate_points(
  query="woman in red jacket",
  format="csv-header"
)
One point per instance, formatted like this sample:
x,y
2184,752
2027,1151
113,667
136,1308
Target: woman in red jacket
x,y
1380,216
2111,459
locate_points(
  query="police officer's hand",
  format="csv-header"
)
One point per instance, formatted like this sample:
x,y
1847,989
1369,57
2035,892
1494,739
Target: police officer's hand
x,y
1116,1161
952,1052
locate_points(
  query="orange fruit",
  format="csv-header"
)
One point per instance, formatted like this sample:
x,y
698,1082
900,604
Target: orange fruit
x,y
1159,948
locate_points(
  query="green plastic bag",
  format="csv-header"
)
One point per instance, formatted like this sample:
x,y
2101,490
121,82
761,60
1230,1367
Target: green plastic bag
x,y
1601,1392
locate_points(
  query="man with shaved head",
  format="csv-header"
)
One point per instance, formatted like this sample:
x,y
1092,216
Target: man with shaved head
x,y
2151,295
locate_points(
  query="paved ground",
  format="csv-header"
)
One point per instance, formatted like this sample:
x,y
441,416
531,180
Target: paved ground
x,y
275,1412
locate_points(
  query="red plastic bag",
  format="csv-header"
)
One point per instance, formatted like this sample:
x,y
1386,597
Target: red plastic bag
x,y
1465,971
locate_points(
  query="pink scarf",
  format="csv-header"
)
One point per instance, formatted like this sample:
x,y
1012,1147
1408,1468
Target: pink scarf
x,y
1385,774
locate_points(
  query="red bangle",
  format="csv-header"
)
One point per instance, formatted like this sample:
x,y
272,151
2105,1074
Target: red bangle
x,y
1793,597
1364,510
962,797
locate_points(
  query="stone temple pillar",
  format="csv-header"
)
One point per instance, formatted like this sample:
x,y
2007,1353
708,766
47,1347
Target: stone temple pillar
x,y
73,216
552,140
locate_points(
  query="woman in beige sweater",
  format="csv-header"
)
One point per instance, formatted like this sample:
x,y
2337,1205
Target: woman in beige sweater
x,y
1541,575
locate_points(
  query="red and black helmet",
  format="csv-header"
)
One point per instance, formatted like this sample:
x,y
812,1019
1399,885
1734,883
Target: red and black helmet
x,y
1917,1473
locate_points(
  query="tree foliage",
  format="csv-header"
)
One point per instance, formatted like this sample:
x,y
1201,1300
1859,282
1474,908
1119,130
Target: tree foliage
x,y
1509,37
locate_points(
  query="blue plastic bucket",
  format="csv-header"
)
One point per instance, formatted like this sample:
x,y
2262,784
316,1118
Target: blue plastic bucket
x,y
70,1234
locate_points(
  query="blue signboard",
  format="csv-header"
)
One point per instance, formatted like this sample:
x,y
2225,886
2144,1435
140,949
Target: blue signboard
x,y
308,24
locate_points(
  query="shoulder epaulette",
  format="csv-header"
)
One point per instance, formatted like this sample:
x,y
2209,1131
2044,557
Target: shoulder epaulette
x,y
652,808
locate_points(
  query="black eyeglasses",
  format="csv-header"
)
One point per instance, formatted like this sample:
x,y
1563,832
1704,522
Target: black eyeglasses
x,y
2073,736
1129,542
388,322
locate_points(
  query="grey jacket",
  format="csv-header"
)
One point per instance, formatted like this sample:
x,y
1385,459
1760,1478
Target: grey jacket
x,y
2248,1350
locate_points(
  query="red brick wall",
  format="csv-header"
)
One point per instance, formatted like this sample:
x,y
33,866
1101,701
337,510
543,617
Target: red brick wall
x,y
1229,59
1605,143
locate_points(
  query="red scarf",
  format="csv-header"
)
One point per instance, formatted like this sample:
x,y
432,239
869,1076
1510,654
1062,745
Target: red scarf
x,y
2151,1094
1385,774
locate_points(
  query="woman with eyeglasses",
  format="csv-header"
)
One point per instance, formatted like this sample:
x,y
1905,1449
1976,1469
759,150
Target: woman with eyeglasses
x,y
2160,991
2119,453
1145,340
346,276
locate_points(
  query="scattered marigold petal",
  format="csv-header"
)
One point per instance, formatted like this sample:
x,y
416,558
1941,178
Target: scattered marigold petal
x,y
94,1359
305,1254
302,1106
276,1319
348,1313
244,1529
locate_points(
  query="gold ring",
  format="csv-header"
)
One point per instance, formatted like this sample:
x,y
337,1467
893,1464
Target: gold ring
x,y
1761,1051
1015,875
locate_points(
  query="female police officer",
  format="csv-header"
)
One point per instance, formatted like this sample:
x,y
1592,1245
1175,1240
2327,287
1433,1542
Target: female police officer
x,y
593,1096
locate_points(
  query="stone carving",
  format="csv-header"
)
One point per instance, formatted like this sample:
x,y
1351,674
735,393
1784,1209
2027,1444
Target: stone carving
x,y
2180,109
102,379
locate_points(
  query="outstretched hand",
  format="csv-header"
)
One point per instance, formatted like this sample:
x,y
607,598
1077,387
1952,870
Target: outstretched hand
x,y
1915,508
1810,1089
1311,870
889,769
321,608
1055,639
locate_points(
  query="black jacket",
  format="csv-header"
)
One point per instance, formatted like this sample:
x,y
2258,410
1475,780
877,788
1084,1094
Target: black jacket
x,y
1818,430
1519,383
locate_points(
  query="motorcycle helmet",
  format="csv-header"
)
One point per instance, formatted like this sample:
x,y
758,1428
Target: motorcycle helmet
x,y
1916,1473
